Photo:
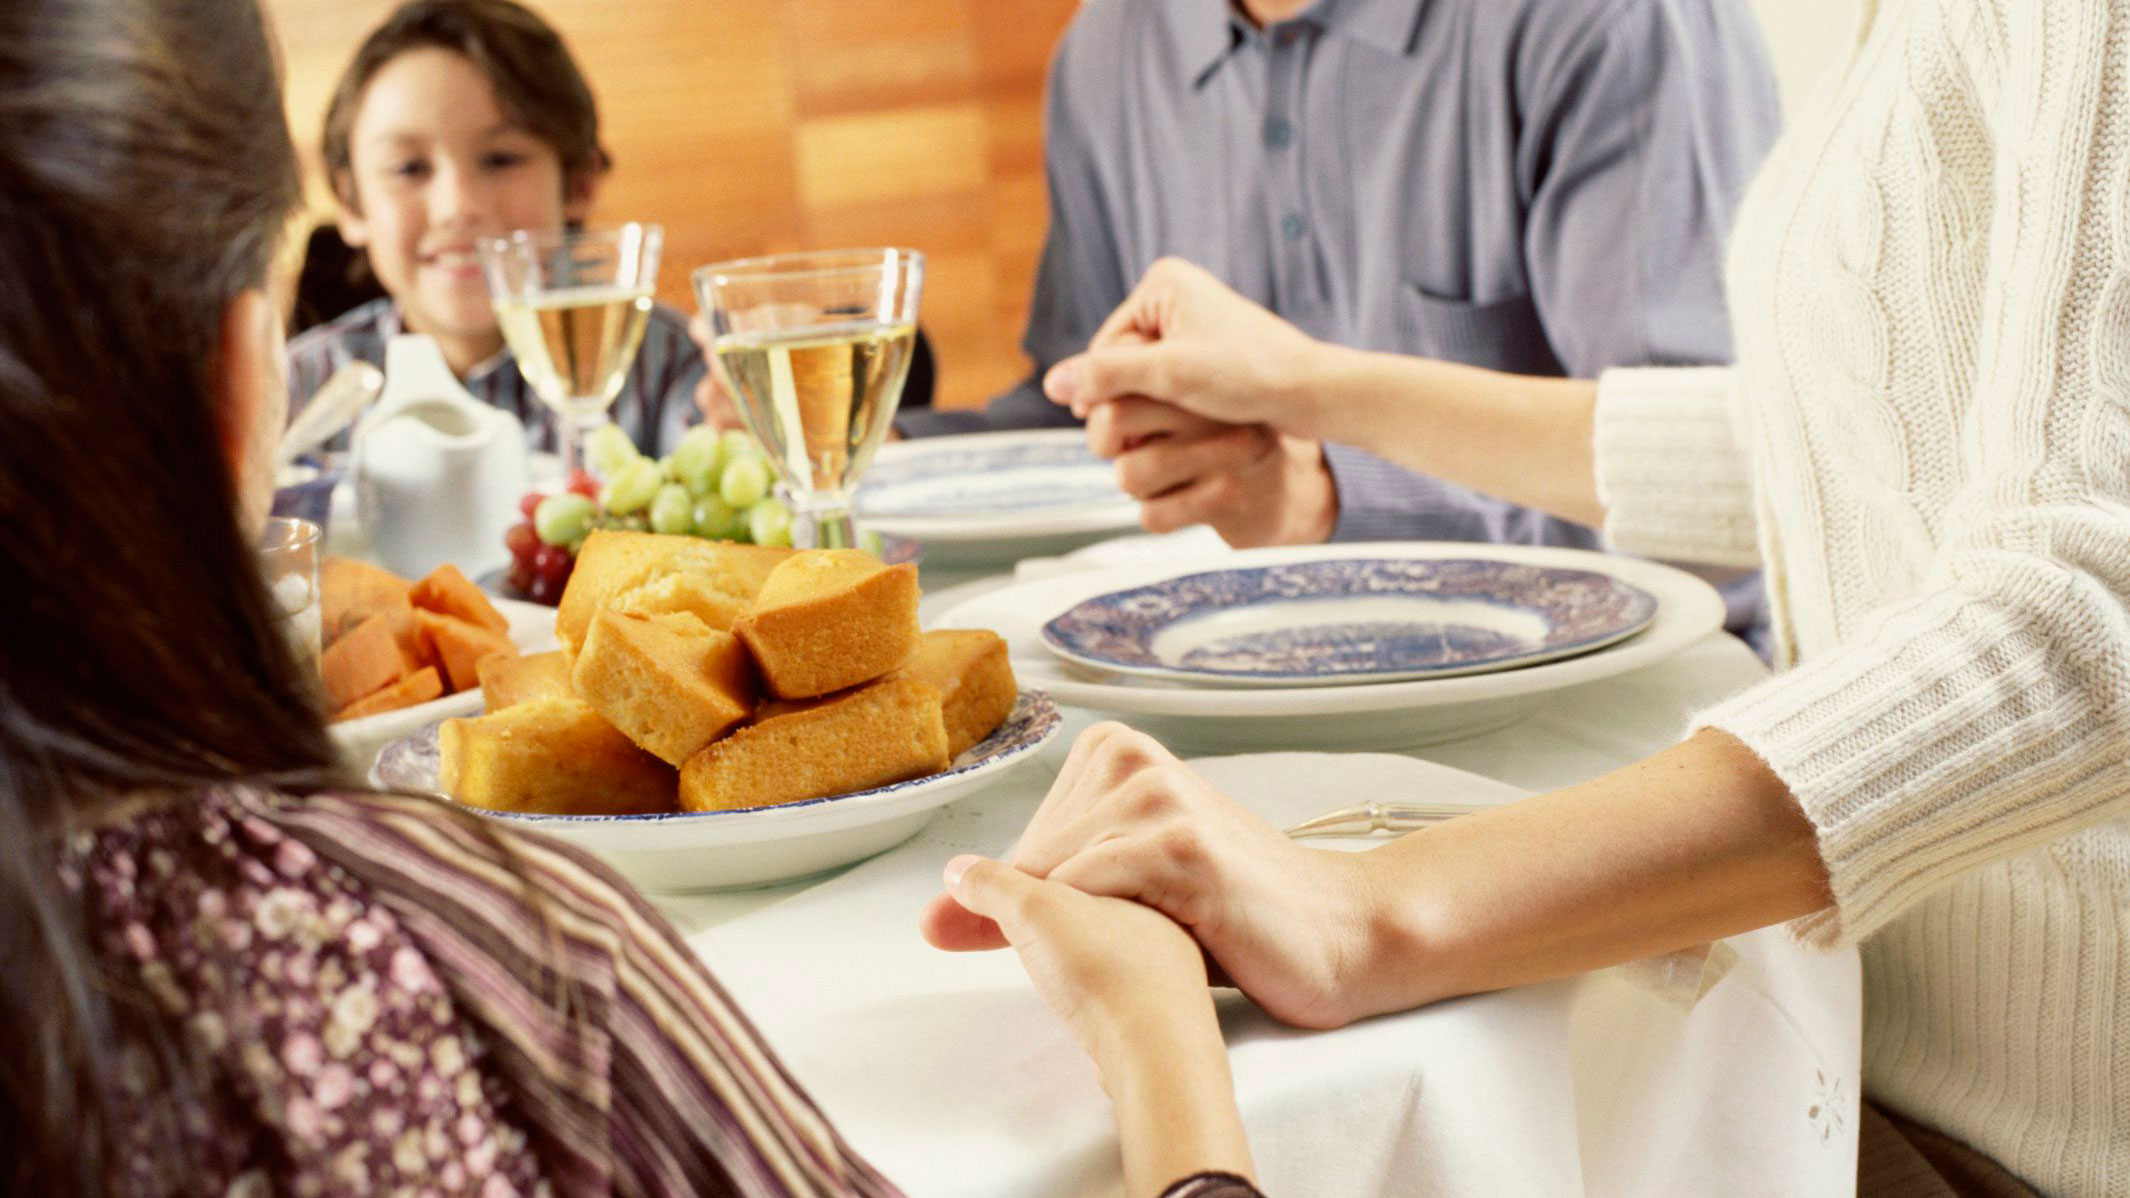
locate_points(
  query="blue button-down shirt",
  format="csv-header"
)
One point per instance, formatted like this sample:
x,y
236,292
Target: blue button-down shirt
x,y
1540,186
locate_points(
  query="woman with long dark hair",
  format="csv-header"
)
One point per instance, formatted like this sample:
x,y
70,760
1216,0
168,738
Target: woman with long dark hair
x,y
222,970
220,975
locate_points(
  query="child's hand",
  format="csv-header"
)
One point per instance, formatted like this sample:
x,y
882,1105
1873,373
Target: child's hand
x,y
1114,971
1131,986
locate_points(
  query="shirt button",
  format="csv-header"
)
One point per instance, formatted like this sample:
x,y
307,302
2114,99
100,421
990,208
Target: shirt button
x,y
1293,226
1278,133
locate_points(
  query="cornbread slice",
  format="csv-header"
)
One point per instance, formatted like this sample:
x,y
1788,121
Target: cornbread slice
x,y
459,647
827,619
699,595
671,683
970,670
887,732
613,562
509,681
550,757
419,687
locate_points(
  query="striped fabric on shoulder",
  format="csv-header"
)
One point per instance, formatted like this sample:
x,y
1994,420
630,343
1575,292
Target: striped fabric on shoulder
x,y
634,1067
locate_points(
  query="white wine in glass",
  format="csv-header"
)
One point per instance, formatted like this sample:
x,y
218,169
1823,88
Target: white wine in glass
x,y
577,342
827,393
572,306
814,349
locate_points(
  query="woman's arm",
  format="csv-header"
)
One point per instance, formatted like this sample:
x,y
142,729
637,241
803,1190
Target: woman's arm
x,y
1518,437
1184,338
1696,843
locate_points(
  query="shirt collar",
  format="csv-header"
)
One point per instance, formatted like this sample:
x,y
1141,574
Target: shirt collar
x,y
1209,31
1391,26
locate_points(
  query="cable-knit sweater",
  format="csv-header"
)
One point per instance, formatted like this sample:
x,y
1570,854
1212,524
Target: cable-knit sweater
x,y
1926,438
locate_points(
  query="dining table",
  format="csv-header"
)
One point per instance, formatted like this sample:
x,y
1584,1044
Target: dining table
x,y
1730,1071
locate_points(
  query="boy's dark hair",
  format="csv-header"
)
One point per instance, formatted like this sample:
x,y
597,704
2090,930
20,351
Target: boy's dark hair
x,y
535,79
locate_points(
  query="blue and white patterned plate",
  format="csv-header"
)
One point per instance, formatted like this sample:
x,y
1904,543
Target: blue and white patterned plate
x,y
1351,620
990,485
712,850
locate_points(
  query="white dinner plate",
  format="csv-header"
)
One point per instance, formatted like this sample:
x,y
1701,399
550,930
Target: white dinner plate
x,y
1389,715
1002,495
1346,621
719,850
532,630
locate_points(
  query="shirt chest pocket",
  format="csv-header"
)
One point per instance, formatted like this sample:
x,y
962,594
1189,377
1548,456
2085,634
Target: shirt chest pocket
x,y
1503,334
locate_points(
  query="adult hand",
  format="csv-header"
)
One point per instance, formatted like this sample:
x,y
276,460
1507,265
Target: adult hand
x,y
1252,484
1126,819
1185,338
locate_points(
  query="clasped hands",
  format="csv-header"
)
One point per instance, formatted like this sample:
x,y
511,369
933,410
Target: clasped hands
x,y
1201,399
1128,831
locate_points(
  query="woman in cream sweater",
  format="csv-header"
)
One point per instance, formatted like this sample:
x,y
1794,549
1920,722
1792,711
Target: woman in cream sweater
x,y
1926,444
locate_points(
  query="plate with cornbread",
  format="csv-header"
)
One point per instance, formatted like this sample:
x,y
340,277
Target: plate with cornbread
x,y
722,715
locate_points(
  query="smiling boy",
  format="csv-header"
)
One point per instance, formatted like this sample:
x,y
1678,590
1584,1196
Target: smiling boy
x,y
460,120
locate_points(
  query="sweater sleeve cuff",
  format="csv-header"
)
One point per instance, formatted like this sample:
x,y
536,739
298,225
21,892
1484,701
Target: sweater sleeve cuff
x,y
1675,482
1947,734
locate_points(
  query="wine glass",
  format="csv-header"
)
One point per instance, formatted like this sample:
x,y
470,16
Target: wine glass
x,y
814,348
573,305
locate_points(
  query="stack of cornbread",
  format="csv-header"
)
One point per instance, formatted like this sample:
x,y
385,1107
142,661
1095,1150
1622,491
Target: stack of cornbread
x,y
706,676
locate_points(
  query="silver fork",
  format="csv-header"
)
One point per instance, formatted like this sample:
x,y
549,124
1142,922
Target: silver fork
x,y
1367,819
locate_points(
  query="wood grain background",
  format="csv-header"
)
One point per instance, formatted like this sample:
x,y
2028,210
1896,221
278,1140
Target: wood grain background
x,y
756,126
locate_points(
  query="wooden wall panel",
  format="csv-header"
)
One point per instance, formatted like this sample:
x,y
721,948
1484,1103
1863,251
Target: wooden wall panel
x,y
756,126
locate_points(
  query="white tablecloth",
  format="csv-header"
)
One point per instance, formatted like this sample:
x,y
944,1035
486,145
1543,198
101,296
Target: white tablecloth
x,y
947,1071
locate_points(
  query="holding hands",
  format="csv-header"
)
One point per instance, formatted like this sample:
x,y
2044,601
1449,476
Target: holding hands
x,y
1185,338
1194,391
1126,820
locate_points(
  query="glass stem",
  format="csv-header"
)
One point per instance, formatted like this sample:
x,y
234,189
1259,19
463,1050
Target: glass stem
x,y
585,426
567,437
823,522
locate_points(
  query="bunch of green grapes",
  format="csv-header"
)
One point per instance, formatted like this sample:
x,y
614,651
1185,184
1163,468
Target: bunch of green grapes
x,y
712,485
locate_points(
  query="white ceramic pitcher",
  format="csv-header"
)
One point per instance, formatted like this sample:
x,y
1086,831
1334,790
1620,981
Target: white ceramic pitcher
x,y
438,473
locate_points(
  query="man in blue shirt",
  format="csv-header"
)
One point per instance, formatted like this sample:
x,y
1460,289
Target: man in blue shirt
x,y
1541,186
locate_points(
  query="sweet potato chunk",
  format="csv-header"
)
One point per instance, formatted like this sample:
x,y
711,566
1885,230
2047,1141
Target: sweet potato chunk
x,y
419,687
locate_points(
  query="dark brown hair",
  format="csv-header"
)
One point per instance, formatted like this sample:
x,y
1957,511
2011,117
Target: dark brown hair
x,y
145,176
535,80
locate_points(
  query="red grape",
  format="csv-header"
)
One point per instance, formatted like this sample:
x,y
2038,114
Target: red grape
x,y
530,503
544,591
553,563
584,484
521,577
523,543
